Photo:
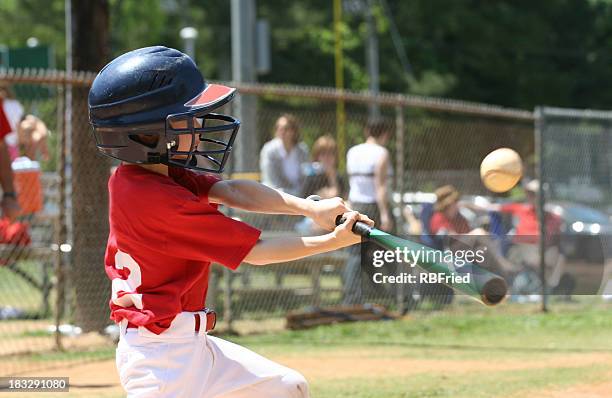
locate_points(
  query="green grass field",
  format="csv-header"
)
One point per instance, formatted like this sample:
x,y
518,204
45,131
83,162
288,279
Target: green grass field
x,y
512,351
16,292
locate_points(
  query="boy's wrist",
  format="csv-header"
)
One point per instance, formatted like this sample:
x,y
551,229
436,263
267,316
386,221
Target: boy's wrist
x,y
339,241
307,208
334,240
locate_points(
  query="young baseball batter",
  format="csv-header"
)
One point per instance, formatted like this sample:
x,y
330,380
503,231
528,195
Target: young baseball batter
x,y
152,109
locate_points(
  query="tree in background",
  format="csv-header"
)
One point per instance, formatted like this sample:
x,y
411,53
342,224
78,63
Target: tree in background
x,y
90,172
511,52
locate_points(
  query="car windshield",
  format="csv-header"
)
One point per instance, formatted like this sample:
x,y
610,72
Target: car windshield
x,y
585,214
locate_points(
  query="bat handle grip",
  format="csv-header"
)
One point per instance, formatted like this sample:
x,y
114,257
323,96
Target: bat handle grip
x,y
359,228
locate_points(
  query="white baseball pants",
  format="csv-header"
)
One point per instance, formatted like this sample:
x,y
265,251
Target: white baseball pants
x,y
183,363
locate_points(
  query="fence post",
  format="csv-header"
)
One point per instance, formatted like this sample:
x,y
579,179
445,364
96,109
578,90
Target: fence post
x,y
60,224
539,147
399,188
243,21
339,79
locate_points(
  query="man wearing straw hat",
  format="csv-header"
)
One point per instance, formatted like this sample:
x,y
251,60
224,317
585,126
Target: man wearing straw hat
x,y
448,222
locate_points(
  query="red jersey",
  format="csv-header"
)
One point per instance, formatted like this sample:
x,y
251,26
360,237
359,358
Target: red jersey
x,y
457,225
528,228
164,234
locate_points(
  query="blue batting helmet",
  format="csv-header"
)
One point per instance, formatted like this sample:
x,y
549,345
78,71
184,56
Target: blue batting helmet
x,y
142,101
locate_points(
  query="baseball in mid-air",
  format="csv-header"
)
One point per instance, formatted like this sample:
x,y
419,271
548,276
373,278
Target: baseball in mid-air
x,y
501,170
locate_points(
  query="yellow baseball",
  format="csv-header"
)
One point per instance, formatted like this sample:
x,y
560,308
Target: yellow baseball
x,y
501,170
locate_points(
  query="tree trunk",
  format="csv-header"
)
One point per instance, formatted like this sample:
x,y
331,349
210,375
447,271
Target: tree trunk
x,y
90,172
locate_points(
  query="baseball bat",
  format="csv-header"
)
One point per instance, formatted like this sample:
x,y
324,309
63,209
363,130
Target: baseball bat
x,y
484,286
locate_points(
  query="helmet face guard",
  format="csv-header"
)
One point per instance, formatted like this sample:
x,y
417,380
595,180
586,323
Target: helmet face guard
x,y
210,136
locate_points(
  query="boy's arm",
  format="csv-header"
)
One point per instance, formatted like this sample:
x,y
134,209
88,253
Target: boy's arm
x,y
486,207
258,198
280,250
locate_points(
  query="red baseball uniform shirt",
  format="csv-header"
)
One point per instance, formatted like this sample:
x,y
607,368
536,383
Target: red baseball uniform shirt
x,y
164,234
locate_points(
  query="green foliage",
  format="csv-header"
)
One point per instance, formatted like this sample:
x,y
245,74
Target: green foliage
x,y
22,19
510,52
432,83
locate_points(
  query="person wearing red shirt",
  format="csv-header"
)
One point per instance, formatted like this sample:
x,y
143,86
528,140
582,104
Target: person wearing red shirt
x,y
448,221
525,249
527,229
152,109
9,204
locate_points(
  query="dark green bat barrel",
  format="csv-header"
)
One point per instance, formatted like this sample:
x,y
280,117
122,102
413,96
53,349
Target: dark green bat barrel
x,y
483,285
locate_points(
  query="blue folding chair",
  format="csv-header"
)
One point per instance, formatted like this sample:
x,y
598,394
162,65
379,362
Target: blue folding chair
x,y
427,238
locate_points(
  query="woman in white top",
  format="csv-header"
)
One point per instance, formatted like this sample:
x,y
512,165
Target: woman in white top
x,y
368,169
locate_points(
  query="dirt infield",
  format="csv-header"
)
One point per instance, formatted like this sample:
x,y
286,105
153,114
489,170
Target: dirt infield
x,y
99,379
92,380
364,364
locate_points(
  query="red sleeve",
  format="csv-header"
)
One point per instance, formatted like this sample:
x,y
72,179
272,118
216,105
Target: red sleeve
x,y
209,235
205,182
509,207
436,223
5,126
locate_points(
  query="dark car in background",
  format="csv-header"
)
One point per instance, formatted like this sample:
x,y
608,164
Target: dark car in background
x,y
586,233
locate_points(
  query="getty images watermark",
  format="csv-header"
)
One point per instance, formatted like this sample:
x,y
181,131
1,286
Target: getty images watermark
x,y
451,258
569,265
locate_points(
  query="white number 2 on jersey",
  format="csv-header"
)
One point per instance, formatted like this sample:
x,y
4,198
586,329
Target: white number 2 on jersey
x,y
129,285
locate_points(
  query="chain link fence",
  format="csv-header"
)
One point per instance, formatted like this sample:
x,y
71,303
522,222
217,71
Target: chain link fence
x,y
435,142
54,292
52,298
576,170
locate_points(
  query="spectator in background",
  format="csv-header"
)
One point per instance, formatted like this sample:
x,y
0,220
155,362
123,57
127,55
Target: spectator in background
x,y
13,112
447,219
32,133
321,176
526,216
368,168
9,115
282,158
525,248
447,222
